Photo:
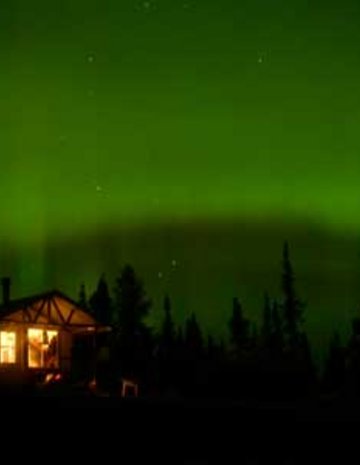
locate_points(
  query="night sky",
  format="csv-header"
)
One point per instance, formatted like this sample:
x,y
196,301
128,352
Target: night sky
x,y
189,137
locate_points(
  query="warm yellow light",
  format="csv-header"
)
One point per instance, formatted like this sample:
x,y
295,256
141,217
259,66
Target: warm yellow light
x,y
35,334
7,346
50,377
42,348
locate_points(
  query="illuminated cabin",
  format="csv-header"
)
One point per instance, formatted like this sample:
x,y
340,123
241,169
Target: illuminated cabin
x,y
37,333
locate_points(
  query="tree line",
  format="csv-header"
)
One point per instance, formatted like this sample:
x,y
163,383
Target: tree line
x,y
272,361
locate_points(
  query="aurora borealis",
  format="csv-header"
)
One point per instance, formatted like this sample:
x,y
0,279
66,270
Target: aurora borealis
x,y
127,120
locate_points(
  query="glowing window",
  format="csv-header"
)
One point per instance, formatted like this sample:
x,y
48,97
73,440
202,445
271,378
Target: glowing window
x,y
43,348
7,347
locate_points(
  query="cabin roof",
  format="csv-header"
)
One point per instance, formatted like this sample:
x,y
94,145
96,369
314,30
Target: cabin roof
x,y
16,304
50,308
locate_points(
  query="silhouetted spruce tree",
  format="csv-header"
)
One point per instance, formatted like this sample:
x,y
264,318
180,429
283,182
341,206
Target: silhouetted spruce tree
x,y
353,359
100,302
180,360
267,326
85,354
239,327
180,353
131,303
242,353
272,330
276,336
271,349
299,364
132,306
193,337
166,352
292,307
194,356
168,336
82,297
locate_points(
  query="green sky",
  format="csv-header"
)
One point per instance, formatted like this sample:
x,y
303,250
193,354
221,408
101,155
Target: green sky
x,y
129,114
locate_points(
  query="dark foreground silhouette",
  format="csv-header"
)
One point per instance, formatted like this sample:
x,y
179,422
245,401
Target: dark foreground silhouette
x,y
258,398
186,431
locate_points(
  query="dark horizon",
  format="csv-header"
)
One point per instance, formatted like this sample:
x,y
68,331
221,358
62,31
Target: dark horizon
x,y
203,265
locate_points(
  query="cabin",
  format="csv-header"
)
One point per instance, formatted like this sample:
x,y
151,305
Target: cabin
x,y
38,334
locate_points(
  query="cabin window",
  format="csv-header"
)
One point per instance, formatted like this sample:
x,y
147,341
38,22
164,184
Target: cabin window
x,y
7,347
43,348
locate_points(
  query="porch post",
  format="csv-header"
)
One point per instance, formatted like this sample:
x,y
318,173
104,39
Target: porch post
x,y
94,353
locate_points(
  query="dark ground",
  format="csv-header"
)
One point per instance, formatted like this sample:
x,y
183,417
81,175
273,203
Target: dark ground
x,y
192,432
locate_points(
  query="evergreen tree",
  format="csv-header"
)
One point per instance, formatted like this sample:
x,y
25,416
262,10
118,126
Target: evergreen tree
x,y
277,332
180,361
167,336
166,354
267,326
239,326
168,329
194,357
131,302
308,366
133,337
100,302
271,331
292,307
193,337
353,358
82,297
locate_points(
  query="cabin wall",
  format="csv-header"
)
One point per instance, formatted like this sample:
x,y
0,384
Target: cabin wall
x,y
21,355
65,347
65,341
65,350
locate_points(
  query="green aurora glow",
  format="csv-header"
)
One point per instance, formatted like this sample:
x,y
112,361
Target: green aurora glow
x,y
127,115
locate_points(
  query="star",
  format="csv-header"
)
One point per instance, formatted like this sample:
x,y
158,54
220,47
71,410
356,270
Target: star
x,y
91,92
101,192
260,60
146,6
174,263
160,275
90,58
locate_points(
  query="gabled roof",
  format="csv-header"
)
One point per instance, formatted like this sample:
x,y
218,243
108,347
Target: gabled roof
x,y
50,308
